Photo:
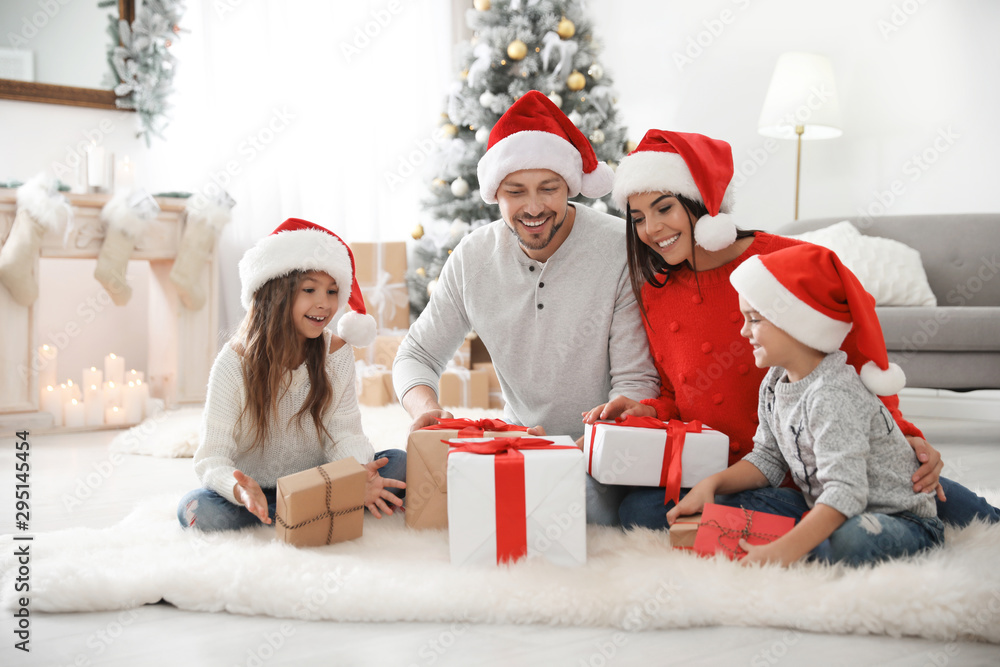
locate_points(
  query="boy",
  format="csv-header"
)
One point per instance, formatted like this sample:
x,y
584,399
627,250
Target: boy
x,y
820,421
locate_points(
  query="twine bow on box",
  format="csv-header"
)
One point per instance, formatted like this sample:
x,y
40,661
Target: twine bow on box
x,y
736,534
330,512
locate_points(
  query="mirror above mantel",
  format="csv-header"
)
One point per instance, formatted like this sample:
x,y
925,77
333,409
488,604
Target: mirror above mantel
x,y
46,70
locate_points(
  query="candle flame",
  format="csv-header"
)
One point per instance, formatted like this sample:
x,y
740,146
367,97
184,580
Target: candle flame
x,y
74,401
49,388
112,355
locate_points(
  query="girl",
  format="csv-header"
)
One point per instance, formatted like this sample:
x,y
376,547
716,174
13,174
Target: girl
x,y
682,247
281,395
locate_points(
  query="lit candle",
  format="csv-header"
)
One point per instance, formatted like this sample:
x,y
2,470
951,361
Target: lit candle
x,y
132,403
114,369
75,415
135,375
114,416
92,394
92,376
93,409
47,366
112,394
73,391
52,403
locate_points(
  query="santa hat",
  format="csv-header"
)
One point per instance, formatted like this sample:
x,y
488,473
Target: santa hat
x,y
809,294
690,165
535,134
298,245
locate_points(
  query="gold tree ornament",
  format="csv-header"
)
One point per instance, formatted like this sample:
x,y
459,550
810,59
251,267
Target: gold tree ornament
x,y
630,146
517,50
421,271
576,81
417,234
439,183
566,28
449,129
482,5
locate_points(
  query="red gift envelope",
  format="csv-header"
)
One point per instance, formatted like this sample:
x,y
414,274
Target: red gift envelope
x,y
723,527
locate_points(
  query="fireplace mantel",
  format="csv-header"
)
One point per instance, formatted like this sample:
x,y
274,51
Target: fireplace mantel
x,y
182,343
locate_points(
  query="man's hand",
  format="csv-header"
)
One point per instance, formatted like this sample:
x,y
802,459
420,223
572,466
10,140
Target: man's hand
x,y
926,477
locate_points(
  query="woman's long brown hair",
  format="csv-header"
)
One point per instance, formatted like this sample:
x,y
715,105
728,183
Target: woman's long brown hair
x,y
269,349
646,266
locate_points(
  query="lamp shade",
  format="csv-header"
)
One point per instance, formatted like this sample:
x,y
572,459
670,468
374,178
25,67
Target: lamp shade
x,y
802,92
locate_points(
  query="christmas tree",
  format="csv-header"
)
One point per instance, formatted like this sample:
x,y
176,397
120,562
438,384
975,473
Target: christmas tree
x,y
518,45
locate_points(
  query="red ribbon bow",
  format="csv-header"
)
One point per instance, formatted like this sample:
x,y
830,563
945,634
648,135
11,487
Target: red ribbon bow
x,y
473,428
671,469
508,470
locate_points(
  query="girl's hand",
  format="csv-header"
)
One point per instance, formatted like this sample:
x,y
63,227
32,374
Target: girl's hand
x,y
248,494
926,477
620,406
376,490
692,503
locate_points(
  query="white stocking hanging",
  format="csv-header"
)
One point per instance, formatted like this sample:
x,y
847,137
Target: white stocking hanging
x,y
205,219
127,217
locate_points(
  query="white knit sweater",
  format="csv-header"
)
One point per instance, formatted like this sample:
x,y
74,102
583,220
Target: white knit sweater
x,y
288,448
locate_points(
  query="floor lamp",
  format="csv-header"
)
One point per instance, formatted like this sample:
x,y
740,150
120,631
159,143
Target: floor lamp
x,y
801,103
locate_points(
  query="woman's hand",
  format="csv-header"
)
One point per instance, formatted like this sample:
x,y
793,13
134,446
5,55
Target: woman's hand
x,y
377,490
926,477
248,494
620,406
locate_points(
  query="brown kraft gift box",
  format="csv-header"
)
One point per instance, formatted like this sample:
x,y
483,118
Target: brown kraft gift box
x,y
321,505
452,390
684,530
366,262
427,475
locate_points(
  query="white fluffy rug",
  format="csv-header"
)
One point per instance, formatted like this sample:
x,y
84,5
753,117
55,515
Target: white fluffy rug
x,y
632,581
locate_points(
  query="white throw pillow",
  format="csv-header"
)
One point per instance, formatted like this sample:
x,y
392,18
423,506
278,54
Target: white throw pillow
x,y
891,271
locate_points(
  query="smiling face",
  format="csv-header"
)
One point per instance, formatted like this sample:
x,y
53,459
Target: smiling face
x,y
773,346
315,304
663,224
534,204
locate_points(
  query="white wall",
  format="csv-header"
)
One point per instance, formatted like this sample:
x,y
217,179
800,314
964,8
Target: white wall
x,y
897,92
938,73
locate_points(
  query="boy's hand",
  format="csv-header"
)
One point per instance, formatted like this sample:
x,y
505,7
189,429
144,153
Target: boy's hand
x,y
376,489
927,475
693,502
766,553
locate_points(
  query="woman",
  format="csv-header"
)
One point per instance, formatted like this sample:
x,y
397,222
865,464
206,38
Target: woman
x,y
682,246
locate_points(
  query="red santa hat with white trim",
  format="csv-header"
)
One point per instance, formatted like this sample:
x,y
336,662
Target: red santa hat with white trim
x,y
809,294
299,245
691,165
535,134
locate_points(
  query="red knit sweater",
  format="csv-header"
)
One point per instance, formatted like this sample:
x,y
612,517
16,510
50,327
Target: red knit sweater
x,y
707,369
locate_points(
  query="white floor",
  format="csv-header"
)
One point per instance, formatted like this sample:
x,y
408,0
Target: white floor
x,y
75,482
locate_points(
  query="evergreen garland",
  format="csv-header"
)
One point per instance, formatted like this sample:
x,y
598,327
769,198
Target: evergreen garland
x,y
141,63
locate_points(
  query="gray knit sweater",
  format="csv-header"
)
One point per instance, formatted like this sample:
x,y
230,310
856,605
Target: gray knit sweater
x,y
564,335
842,446
288,448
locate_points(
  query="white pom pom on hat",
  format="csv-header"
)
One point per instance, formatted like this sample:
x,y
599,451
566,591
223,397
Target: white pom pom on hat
x,y
535,134
809,294
690,165
299,245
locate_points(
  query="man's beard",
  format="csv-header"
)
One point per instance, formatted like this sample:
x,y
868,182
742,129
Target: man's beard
x,y
540,244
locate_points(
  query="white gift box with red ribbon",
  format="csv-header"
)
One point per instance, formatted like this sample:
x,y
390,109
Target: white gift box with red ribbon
x,y
656,453
527,500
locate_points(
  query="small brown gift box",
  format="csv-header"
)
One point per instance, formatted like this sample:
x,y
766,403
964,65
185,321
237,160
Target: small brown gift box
x,y
377,389
321,505
395,311
488,367
684,530
463,357
464,388
382,352
427,475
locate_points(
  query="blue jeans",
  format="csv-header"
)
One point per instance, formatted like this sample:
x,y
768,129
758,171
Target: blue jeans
x,y
643,507
208,511
863,539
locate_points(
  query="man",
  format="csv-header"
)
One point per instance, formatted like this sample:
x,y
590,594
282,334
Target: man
x,y
546,288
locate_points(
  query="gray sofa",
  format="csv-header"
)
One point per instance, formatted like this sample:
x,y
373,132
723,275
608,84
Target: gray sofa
x,y
955,345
